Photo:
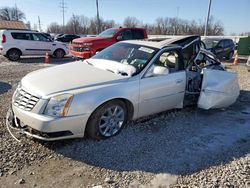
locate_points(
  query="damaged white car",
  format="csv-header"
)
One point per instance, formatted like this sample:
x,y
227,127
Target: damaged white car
x,y
125,81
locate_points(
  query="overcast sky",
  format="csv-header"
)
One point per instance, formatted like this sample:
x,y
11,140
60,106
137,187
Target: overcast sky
x,y
233,14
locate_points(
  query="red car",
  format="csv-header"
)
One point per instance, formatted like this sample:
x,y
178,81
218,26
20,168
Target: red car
x,y
89,46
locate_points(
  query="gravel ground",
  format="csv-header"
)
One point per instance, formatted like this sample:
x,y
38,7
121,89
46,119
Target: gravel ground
x,y
184,148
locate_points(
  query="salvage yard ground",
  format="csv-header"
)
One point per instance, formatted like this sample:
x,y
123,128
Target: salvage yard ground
x,y
180,148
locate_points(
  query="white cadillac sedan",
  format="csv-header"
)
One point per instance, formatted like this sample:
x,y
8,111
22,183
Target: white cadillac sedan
x,y
125,81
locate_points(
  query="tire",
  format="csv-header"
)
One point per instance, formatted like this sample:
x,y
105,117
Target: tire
x,y
59,53
14,54
107,120
230,56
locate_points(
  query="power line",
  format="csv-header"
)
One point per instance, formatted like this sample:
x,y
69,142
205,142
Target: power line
x,y
63,9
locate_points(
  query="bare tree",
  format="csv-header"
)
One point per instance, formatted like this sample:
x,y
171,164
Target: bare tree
x,y
73,26
11,13
54,28
85,23
162,26
215,27
131,22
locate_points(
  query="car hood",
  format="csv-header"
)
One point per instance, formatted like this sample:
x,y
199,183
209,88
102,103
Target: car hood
x,y
89,39
66,78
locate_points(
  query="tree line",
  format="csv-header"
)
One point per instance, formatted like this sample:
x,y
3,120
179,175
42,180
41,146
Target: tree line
x,y
80,24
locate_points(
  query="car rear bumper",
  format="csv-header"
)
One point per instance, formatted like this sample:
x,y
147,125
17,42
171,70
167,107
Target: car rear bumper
x,y
2,51
45,127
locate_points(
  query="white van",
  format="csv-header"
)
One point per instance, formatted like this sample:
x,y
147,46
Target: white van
x,y
16,43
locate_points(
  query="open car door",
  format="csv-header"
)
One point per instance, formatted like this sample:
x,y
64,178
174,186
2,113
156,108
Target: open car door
x,y
219,89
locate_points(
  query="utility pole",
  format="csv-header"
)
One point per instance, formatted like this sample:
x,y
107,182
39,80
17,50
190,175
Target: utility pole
x,y
16,13
208,15
63,9
178,9
39,24
98,19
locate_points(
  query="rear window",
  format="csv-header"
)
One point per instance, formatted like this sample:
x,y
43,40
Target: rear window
x,y
138,34
21,36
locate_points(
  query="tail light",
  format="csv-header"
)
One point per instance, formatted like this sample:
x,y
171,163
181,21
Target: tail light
x,y
3,38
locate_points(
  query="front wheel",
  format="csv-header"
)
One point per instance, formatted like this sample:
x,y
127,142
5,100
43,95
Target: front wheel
x,y
59,53
108,120
230,56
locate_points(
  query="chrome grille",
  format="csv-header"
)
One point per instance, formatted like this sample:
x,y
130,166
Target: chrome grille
x,y
24,100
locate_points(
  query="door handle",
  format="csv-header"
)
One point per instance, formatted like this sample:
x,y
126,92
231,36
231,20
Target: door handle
x,y
178,81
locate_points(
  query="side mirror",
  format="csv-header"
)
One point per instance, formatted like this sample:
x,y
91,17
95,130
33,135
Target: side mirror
x,y
157,71
119,38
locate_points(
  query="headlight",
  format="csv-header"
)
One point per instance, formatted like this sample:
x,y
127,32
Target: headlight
x,y
59,105
86,44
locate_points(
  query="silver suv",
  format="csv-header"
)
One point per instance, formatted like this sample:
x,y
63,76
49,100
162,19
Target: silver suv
x,y
16,43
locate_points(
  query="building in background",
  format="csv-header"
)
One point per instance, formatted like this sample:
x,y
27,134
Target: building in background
x,y
12,25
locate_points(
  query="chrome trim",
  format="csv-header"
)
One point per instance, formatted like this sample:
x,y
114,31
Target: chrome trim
x,y
24,100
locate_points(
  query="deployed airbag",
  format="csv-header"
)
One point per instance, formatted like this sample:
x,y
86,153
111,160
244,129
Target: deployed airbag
x,y
219,89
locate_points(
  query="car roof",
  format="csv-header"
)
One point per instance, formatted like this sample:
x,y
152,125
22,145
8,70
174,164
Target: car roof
x,y
123,28
180,41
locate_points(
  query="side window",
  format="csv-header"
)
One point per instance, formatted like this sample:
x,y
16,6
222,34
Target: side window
x,y
165,64
21,36
138,34
39,37
221,44
229,43
126,35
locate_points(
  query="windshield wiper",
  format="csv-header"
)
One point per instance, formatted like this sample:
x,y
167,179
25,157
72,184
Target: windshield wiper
x,y
89,63
110,70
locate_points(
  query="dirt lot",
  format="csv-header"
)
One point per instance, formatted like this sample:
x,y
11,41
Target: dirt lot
x,y
185,148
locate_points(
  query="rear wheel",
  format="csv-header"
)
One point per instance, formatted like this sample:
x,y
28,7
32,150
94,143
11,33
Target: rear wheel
x,y
108,120
14,54
59,53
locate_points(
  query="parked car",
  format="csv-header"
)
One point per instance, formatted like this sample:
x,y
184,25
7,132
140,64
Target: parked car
x,y
16,43
127,80
58,35
222,48
48,36
88,46
67,38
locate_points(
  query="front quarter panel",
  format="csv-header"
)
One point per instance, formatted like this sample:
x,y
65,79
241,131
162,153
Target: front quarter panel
x,y
86,102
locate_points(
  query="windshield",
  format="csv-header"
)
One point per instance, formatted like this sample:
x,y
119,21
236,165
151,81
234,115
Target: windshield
x,y
210,43
108,33
126,56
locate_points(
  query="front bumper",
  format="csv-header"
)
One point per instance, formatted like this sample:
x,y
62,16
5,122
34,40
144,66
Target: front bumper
x,y
45,127
83,55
